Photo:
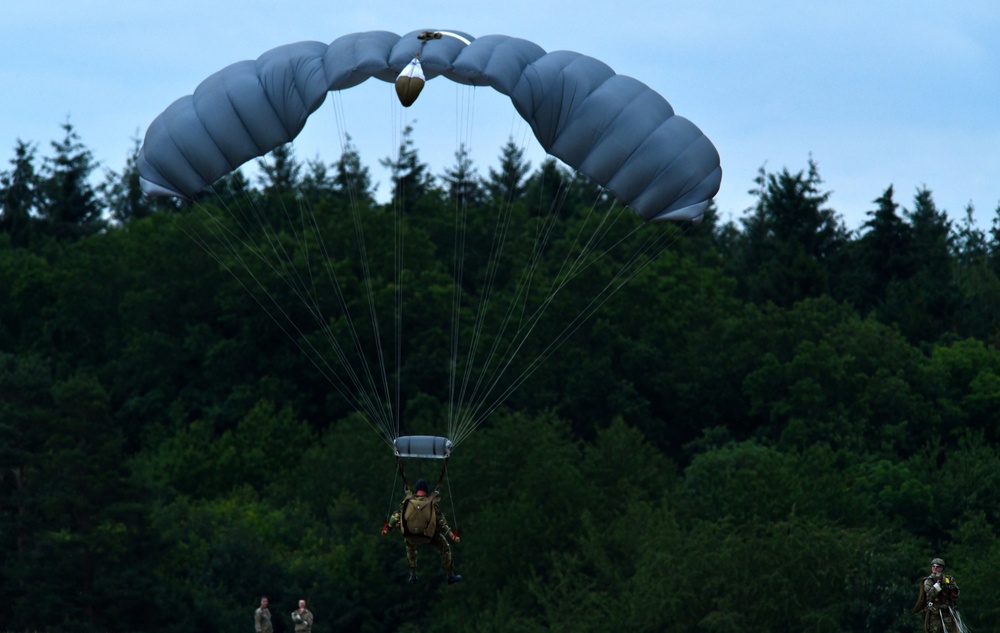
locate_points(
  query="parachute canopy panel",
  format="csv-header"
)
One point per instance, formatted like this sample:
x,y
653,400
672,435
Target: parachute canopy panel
x,y
423,446
612,128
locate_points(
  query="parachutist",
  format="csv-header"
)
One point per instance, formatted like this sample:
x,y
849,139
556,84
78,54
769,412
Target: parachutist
x,y
423,523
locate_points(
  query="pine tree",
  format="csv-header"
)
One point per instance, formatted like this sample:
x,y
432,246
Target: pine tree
x,y
931,233
884,251
547,190
19,194
69,205
507,184
352,180
410,177
123,193
792,243
280,171
978,288
317,184
461,180
994,242
924,304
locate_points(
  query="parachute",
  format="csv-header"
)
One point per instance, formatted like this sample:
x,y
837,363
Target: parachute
x,y
610,127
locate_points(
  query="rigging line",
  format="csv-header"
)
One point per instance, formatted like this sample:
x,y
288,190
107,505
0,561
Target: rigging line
x,y
288,274
330,269
465,108
331,377
498,373
500,230
350,185
392,497
504,215
365,262
451,499
399,226
271,237
461,220
577,322
346,366
542,238
521,288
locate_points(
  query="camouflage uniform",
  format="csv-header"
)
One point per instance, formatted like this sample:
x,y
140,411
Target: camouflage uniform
x,y
437,541
303,621
937,604
262,620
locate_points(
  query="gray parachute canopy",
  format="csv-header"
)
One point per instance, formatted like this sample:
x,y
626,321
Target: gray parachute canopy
x,y
612,128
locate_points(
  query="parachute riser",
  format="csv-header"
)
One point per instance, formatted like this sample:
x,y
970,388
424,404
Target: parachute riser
x,y
406,484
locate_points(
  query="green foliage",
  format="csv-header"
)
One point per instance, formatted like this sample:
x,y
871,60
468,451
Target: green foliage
x,y
770,427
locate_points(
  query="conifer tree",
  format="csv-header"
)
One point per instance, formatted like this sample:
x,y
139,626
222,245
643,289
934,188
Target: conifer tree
x,y
410,177
19,194
793,243
280,171
352,180
506,185
461,180
69,205
884,250
123,193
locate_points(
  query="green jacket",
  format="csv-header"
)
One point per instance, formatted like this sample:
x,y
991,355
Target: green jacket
x,y
262,620
303,621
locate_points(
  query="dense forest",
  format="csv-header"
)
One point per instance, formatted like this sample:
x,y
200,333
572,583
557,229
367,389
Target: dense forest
x,y
773,424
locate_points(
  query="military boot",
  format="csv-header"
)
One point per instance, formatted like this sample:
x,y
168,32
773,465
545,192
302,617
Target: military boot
x,y
453,578
413,577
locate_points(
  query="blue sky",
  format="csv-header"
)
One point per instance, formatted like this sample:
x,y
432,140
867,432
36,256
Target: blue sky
x,y
877,92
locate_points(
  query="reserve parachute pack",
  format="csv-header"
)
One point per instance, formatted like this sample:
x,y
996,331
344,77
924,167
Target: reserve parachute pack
x,y
420,518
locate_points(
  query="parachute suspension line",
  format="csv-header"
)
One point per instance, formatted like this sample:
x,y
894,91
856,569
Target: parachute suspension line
x,y
500,231
464,116
383,406
504,212
377,404
638,261
542,235
464,111
543,230
312,304
544,226
392,496
354,197
451,501
399,225
227,241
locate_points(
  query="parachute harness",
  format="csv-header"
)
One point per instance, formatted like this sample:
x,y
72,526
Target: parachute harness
x,y
442,478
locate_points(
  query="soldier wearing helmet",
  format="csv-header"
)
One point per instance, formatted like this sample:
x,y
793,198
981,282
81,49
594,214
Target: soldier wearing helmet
x,y
422,522
936,601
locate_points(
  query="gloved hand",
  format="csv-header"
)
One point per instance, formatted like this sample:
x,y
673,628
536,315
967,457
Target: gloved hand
x,y
937,586
385,529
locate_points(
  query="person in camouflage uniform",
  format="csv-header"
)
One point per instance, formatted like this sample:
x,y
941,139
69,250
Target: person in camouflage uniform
x,y
433,534
302,618
936,601
262,618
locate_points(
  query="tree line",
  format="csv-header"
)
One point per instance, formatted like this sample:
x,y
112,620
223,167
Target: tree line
x,y
773,426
